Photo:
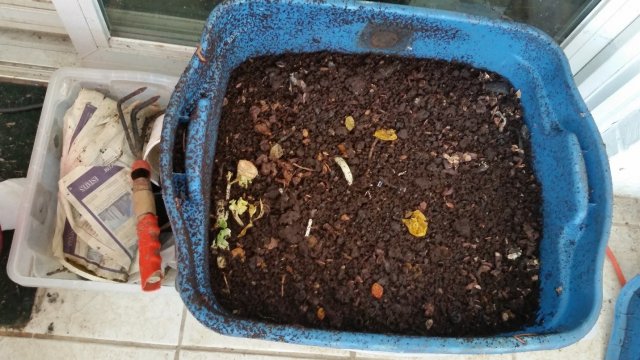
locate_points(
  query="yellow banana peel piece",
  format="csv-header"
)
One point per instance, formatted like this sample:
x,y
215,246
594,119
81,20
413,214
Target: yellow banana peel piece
x,y
417,224
386,134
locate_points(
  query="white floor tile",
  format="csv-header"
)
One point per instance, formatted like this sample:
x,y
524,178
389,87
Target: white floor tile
x,y
196,334
38,349
212,355
145,318
625,244
626,211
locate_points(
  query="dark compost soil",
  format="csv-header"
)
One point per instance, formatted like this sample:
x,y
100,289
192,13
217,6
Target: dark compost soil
x,y
461,157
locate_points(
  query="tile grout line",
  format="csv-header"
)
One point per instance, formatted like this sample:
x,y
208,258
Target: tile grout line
x,y
132,344
181,333
86,340
629,225
16,333
292,355
177,348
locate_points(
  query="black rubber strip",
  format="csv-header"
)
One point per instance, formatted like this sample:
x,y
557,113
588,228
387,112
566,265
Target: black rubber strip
x,y
140,173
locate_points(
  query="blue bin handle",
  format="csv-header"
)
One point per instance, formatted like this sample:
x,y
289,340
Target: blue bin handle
x,y
597,221
600,190
190,191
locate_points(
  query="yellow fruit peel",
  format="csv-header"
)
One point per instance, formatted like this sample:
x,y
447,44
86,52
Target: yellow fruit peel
x,y
386,134
349,123
417,224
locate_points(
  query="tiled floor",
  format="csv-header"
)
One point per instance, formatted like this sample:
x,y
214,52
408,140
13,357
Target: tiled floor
x,y
69,324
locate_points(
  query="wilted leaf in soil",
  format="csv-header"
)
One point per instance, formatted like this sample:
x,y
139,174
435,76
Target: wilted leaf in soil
x,y
243,232
320,313
229,183
221,261
349,123
252,211
221,239
262,211
377,290
221,223
237,208
221,215
386,134
416,224
246,173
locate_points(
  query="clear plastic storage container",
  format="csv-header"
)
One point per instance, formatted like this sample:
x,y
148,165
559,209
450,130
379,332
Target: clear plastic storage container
x,y
31,262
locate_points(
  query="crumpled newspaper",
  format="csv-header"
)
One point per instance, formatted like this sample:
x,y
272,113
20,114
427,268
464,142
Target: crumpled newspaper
x,y
95,233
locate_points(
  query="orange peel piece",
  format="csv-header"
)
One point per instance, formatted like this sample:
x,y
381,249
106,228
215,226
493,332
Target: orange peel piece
x,y
377,290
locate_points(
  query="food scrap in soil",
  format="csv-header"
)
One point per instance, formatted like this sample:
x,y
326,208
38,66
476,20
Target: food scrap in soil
x,y
377,291
331,250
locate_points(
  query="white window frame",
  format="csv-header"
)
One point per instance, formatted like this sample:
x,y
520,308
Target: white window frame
x,y
86,26
31,15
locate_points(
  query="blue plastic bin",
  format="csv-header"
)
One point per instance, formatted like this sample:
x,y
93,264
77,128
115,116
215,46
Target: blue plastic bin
x,y
569,156
624,343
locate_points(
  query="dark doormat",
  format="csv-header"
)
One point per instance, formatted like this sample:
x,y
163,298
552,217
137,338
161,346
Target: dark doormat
x,y
18,128
19,115
15,301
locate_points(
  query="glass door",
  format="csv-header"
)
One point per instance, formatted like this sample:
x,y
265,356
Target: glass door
x,y
175,22
181,21
162,36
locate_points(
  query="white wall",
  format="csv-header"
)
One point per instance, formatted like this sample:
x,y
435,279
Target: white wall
x,y
605,58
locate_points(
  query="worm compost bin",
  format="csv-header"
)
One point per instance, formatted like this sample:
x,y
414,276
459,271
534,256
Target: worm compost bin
x,y
380,177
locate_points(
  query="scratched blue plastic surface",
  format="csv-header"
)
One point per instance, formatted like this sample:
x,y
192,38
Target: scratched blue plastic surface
x,y
624,343
569,156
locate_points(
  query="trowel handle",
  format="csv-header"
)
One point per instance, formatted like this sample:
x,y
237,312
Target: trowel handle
x,y
144,208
